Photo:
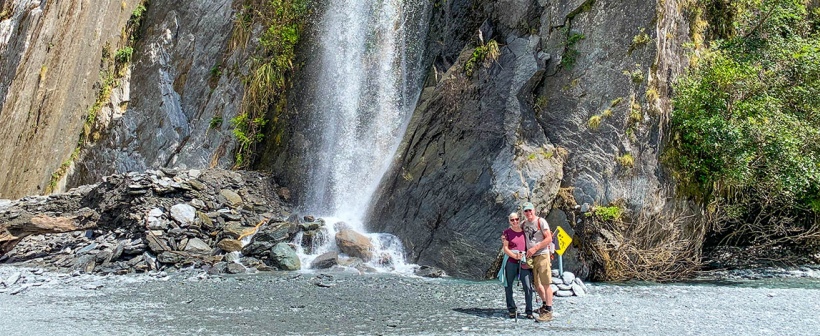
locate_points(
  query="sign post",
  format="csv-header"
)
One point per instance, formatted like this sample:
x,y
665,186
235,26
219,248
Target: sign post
x,y
563,239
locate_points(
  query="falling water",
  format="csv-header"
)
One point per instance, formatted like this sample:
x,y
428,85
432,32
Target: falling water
x,y
370,54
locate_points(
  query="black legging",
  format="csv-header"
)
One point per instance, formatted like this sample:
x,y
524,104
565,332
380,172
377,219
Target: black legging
x,y
511,272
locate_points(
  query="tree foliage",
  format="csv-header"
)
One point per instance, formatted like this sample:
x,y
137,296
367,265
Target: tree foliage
x,y
746,122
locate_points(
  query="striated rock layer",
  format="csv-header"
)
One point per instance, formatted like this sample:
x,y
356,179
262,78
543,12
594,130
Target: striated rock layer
x,y
577,98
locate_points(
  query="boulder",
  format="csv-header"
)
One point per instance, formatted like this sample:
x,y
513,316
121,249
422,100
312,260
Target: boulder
x,y
156,244
429,272
168,257
220,267
284,257
563,293
275,232
568,277
235,268
578,290
354,244
257,248
349,262
233,198
553,288
325,260
235,230
196,245
183,214
230,245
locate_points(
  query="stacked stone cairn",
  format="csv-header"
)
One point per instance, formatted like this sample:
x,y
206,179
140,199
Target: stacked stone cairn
x,y
164,220
567,284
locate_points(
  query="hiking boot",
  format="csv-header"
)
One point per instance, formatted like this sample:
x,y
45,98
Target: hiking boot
x,y
544,317
542,309
513,314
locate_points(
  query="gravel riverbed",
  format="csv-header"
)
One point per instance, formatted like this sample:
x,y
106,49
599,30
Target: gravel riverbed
x,y
185,303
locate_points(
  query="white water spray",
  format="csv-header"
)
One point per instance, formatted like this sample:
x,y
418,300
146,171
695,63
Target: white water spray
x,y
370,54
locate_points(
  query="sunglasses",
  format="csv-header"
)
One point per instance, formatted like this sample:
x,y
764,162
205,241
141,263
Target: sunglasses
x,y
513,219
528,210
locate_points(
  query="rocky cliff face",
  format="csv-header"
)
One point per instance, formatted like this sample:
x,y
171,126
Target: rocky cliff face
x,y
50,55
577,99
169,104
183,90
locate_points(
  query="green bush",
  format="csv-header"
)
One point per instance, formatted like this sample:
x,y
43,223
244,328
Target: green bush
x,y
746,123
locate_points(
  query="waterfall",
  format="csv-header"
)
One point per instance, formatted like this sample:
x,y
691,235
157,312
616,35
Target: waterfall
x,y
369,81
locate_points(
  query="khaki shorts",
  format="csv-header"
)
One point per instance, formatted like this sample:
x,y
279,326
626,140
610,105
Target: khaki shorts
x,y
542,270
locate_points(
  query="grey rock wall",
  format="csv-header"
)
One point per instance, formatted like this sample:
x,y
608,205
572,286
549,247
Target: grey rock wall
x,y
50,55
183,77
457,174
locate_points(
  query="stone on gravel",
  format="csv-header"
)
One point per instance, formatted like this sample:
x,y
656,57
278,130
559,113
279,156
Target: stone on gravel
x,y
11,280
284,257
557,281
325,260
220,267
183,214
18,290
581,283
429,272
196,245
354,244
235,268
92,286
563,293
578,290
553,288
229,245
564,287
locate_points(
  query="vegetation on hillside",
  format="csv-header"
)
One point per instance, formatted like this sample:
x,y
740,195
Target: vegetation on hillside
x,y
746,122
273,61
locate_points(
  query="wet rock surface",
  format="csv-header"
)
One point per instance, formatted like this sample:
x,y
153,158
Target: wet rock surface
x,y
157,221
285,303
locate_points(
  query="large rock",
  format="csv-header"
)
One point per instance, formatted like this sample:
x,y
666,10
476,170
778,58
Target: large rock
x,y
229,245
354,244
232,197
183,214
284,257
257,248
180,85
476,138
196,245
325,260
518,128
275,232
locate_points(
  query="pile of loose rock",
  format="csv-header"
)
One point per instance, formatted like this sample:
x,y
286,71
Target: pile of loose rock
x,y
164,219
567,284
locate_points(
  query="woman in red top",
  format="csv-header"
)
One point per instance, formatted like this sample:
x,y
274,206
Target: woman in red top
x,y
515,247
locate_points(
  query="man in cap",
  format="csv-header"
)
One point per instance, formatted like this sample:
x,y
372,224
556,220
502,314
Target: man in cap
x,y
539,238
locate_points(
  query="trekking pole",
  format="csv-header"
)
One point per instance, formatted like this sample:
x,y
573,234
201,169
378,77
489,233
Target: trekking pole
x,y
523,259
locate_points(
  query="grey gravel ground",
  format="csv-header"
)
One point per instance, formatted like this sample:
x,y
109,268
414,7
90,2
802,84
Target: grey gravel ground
x,y
293,303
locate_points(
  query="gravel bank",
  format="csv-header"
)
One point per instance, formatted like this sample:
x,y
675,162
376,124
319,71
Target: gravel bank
x,y
307,303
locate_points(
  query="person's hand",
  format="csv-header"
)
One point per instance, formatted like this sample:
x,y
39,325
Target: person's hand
x,y
530,252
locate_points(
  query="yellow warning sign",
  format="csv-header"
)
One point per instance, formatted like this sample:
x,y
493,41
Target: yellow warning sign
x,y
563,239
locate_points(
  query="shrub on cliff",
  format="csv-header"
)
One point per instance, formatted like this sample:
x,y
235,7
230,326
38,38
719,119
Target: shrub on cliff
x,y
746,126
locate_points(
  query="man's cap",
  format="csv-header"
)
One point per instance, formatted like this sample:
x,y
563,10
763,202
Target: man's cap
x,y
527,206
